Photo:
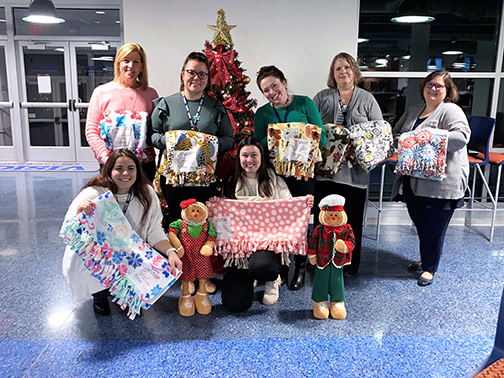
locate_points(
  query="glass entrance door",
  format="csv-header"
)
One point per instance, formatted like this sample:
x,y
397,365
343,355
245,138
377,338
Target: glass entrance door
x,y
6,137
59,78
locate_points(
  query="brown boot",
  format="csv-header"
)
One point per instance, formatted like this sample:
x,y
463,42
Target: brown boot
x,y
320,310
203,305
338,310
186,301
210,287
186,305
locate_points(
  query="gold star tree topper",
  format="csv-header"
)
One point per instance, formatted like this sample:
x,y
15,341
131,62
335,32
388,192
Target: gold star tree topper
x,y
222,30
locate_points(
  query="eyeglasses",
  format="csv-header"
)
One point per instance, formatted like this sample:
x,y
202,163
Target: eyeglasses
x,y
202,75
435,86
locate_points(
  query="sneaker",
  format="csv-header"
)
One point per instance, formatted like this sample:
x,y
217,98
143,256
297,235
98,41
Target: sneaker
x,y
271,292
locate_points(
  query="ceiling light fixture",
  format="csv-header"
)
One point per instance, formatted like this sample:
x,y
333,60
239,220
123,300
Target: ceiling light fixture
x,y
452,52
412,12
42,12
361,40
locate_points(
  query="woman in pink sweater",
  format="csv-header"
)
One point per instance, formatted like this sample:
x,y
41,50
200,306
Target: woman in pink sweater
x,y
120,110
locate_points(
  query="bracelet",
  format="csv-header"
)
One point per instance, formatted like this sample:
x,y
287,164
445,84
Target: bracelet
x,y
169,250
178,249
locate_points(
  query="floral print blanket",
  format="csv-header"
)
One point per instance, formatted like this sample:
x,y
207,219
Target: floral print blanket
x,y
422,153
190,158
370,143
114,254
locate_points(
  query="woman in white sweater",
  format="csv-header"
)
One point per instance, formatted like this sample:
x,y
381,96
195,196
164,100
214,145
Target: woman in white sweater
x,y
253,179
121,174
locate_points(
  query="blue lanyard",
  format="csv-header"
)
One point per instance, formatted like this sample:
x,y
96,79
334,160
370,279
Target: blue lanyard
x,y
193,121
126,205
278,115
344,109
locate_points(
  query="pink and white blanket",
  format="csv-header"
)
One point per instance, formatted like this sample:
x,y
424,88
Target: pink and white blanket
x,y
244,227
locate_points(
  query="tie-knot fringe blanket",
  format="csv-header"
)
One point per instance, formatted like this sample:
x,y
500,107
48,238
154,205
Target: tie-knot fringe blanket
x,y
294,149
112,251
422,154
244,227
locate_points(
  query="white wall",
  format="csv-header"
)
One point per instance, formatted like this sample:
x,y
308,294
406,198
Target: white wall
x,y
300,37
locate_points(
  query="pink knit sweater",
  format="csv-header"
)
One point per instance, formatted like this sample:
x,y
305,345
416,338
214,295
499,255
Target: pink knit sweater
x,y
112,97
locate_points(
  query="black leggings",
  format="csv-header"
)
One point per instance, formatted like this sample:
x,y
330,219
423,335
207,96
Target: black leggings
x,y
238,284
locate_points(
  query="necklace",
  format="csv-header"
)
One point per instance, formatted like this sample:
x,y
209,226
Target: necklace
x,y
124,101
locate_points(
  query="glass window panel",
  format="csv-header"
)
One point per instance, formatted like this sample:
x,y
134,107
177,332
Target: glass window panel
x,y
78,22
464,26
48,126
93,69
5,118
396,95
3,22
499,124
45,63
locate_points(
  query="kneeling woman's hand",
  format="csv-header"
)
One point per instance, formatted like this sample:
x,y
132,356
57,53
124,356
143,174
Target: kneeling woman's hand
x,y
86,206
174,261
309,200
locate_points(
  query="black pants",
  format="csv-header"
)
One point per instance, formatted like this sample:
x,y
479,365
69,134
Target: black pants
x,y
431,217
238,284
299,188
175,195
355,201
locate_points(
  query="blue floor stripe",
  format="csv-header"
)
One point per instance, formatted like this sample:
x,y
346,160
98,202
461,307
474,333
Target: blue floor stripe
x,y
398,356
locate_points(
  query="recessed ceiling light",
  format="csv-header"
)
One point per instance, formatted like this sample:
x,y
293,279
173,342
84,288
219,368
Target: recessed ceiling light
x,y
452,52
118,22
406,57
100,12
361,40
104,58
412,19
381,61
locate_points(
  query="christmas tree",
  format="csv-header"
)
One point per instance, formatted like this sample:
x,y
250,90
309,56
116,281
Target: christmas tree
x,y
228,85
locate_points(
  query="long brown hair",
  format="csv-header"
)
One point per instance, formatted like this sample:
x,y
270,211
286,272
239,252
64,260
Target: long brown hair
x,y
139,188
265,184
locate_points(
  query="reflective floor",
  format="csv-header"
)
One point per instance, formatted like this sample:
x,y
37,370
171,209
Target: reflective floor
x,y
394,328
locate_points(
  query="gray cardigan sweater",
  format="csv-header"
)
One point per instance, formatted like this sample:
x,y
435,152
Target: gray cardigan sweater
x,y
447,116
362,107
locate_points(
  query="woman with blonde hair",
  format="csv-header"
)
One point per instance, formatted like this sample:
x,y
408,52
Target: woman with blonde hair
x,y
120,110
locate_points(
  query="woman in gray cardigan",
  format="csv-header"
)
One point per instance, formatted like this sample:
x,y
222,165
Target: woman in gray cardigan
x,y
431,203
345,104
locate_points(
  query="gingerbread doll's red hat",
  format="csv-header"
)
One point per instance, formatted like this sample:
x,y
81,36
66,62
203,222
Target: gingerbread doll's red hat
x,y
333,202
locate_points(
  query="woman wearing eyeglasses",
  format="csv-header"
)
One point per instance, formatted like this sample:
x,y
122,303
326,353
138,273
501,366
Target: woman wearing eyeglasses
x,y
190,109
431,203
345,104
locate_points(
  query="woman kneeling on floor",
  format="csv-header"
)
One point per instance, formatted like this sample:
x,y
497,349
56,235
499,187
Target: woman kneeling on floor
x,y
253,179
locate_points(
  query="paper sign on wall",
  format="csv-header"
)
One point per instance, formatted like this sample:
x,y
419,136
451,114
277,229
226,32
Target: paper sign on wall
x,y
44,84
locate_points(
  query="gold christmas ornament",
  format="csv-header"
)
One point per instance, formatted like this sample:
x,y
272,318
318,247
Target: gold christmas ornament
x,y
246,79
222,30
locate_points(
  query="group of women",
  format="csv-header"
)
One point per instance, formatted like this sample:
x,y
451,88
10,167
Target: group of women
x,y
430,203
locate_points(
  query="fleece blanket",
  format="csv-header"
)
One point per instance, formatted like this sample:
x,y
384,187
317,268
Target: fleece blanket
x,y
114,254
422,154
244,227
190,158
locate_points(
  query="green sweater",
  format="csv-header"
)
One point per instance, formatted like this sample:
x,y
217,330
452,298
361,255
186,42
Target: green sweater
x,y
301,109
170,114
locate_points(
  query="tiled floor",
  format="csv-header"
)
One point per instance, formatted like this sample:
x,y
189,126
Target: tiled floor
x,y
394,328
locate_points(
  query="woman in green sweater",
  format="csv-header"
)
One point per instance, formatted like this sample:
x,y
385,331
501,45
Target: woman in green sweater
x,y
284,107
190,109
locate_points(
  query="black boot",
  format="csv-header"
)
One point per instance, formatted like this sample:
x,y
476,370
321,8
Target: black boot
x,y
299,273
101,304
